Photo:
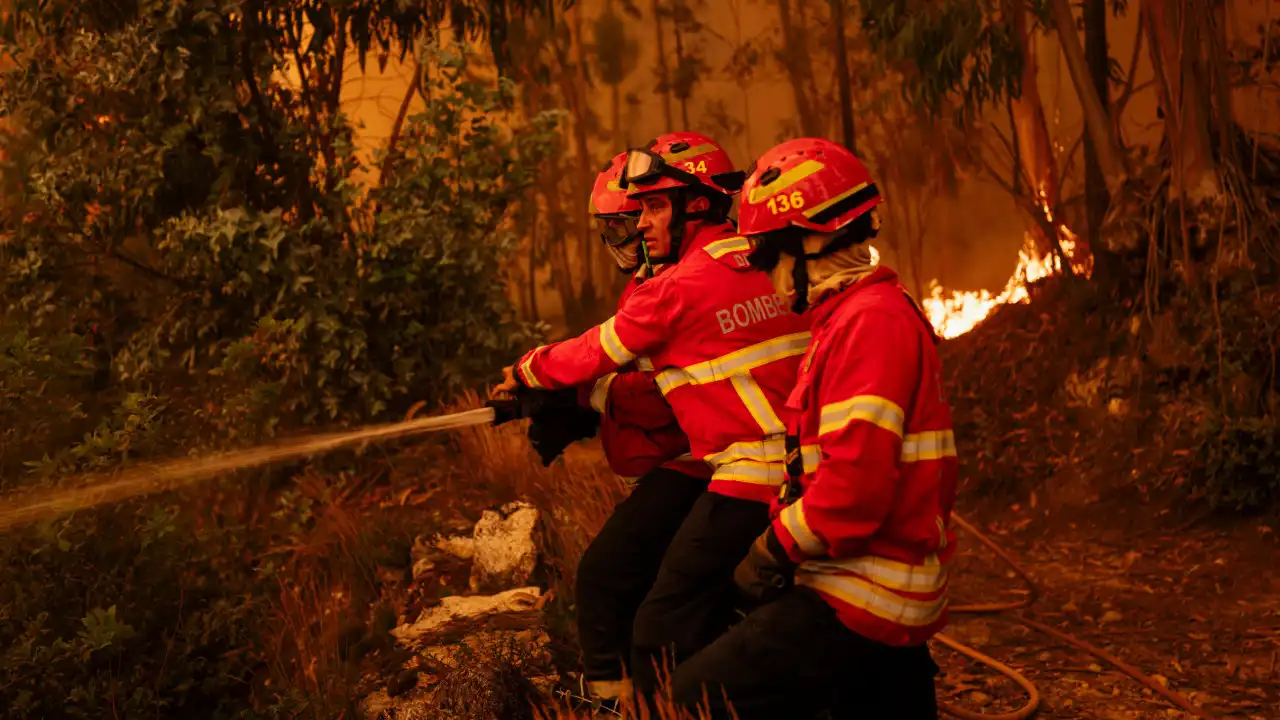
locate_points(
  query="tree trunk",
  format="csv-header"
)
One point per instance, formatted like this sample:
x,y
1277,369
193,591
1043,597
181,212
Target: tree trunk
x,y
1095,49
585,176
527,223
1031,130
684,100
615,97
1173,34
664,74
1097,123
842,76
1106,268
742,85
799,68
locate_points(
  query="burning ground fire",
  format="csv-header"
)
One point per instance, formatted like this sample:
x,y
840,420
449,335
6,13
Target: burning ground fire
x,y
959,313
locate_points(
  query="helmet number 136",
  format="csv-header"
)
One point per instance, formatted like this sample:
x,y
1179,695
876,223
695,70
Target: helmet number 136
x,y
784,203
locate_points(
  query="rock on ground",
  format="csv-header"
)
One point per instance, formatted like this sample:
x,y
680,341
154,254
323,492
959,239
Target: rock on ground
x,y
504,552
458,610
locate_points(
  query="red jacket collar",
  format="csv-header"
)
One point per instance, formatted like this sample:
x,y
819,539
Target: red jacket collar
x,y
882,274
819,313
703,234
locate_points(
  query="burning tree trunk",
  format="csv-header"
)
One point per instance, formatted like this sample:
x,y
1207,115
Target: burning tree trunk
x,y
1097,122
1035,150
1030,126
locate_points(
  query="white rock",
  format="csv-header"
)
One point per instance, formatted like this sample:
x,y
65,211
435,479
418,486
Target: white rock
x,y
504,550
457,608
457,546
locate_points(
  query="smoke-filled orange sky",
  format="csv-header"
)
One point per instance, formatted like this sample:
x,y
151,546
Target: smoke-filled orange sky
x,y
981,228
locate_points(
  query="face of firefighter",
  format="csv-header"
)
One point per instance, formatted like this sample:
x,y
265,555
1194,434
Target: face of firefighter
x,y
655,220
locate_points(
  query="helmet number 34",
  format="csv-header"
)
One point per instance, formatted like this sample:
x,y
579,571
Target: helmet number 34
x,y
785,203
700,166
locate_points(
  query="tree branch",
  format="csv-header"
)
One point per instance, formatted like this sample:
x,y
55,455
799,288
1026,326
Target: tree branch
x,y
389,160
1071,158
1117,108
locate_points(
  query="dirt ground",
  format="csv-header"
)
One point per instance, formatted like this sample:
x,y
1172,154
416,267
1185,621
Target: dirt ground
x,y
1196,606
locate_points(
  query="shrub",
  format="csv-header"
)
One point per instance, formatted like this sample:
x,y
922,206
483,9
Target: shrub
x,y
1240,462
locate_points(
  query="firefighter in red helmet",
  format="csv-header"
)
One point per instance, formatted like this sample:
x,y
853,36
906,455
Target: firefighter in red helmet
x,y
725,353
851,574
644,444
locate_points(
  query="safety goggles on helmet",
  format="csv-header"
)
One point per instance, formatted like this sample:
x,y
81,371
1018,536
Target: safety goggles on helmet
x,y
617,230
645,167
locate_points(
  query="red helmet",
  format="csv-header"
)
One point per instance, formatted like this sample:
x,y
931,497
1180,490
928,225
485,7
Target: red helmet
x,y
607,197
681,159
809,183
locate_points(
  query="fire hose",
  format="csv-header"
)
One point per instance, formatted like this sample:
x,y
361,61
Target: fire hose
x,y
1033,701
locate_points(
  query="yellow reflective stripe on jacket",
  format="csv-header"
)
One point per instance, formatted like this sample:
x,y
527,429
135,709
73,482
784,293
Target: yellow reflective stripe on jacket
x,y
755,473
942,532
873,409
797,524
612,344
757,404
720,248
735,363
644,363
878,601
600,393
526,371
927,578
928,445
769,450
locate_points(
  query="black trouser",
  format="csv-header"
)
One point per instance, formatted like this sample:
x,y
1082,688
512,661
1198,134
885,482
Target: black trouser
x,y
793,658
619,566
693,600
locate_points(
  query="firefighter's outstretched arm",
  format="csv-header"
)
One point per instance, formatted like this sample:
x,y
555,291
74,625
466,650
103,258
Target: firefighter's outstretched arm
x,y
867,379
640,327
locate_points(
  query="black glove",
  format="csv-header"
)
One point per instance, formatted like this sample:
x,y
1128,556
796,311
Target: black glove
x,y
526,402
553,427
766,570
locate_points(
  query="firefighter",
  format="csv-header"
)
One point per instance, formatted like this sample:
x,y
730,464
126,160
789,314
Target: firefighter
x,y
725,353
851,575
641,438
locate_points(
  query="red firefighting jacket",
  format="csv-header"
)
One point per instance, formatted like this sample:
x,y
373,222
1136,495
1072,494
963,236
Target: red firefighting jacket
x,y
638,429
725,350
879,467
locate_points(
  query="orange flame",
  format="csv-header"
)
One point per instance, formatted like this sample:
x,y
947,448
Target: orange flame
x,y
961,311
